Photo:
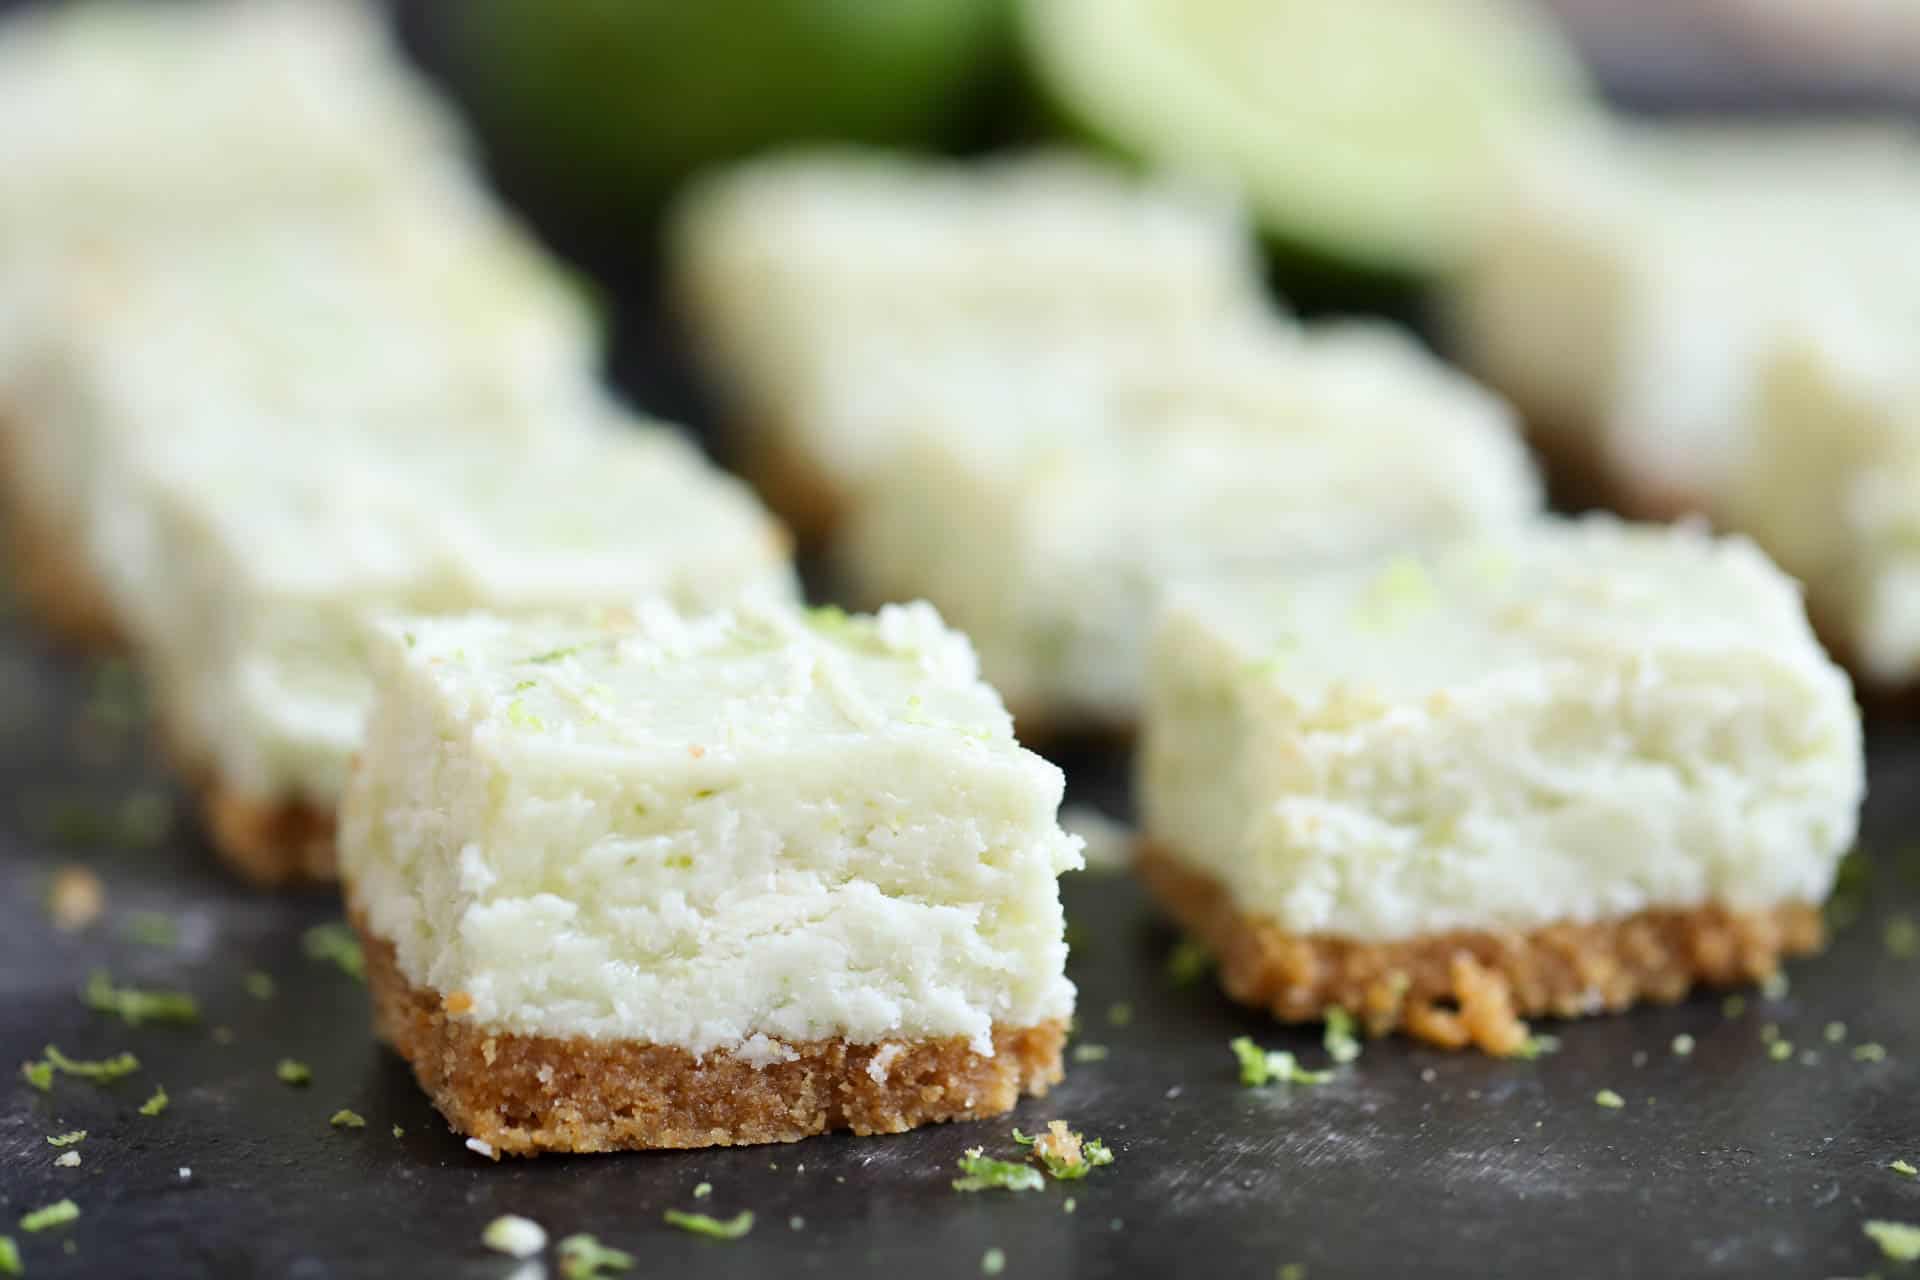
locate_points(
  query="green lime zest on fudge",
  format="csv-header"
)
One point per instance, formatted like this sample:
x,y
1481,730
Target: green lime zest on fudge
x,y
157,1103
1902,937
1084,1053
1065,1154
582,1257
1900,1241
1871,1051
57,1214
259,985
713,1228
10,1258
1609,1099
135,1006
984,1173
1904,1168
66,1139
1260,1067
100,1071
336,944
345,1119
293,1072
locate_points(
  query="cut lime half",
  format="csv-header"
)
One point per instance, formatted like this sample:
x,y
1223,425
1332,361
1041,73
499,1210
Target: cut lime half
x,y
1369,132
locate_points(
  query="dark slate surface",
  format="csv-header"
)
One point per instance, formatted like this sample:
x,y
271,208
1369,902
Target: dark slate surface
x,y
1411,1162
1726,1163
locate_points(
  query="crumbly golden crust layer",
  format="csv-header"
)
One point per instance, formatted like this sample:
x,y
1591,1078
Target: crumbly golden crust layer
x,y
523,1095
791,483
48,572
1460,989
274,843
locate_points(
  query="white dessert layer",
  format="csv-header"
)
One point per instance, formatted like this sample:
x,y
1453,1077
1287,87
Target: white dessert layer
x,y
247,574
427,313
1574,722
1636,281
1831,481
786,262
717,832
1047,510
121,117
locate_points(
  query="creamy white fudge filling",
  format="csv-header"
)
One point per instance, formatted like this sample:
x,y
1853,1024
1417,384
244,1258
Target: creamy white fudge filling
x,y
408,315
247,573
1575,722
1636,280
786,261
119,115
1830,484
1047,516
717,832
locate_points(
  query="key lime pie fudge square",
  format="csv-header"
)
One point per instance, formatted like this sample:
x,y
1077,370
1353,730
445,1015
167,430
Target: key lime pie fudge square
x,y
1556,772
1830,483
1046,518
401,317
247,576
1630,290
667,880
784,262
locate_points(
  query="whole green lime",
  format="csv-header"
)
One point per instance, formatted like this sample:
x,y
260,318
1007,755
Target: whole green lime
x,y
613,101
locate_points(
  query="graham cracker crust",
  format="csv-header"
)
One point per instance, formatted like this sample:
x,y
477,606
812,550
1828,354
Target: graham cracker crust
x,y
49,573
1473,988
524,1095
272,844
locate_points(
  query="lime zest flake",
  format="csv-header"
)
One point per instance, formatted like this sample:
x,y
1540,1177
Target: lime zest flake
x,y
335,942
1119,1014
153,929
1835,1032
554,655
1900,1241
1535,1047
100,1071
984,1173
66,1139
1683,1045
57,1214
134,1006
703,1190
10,1258
515,1236
259,985
345,1119
1188,962
1339,1040
1902,938
1264,1066
1780,1050
293,1072
584,1258
38,1074
1089,1053
157,1103
1609,1099
1905,1169
1871,1051
701,1224
1733,1007
1066,1155
993,1262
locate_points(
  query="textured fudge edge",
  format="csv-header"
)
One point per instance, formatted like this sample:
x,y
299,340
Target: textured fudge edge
x,y
49,572
524,1095
1473,988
